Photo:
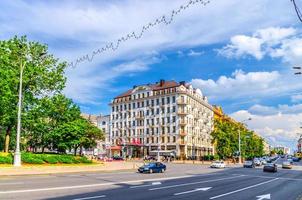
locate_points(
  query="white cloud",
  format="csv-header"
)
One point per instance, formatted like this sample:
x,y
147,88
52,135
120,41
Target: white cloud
x,y
243,45
195,53
284,43
296,98
249,85
271,110
278,129
75,28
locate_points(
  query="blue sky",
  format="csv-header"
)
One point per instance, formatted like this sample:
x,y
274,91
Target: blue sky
x,y
238,53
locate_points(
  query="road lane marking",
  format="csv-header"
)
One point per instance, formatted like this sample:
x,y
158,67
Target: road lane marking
x,y
245,188
98,184
265,196
148,185
14,183
94,197
193,183
190,191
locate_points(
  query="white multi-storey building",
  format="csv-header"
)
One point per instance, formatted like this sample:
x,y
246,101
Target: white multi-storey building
x,y
167,115
300,144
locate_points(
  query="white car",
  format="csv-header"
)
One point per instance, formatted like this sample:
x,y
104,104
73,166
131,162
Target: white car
x,y
218,164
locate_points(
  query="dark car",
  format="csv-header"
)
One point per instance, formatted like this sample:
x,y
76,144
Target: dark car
x,y
248,164
117,158
295,159
154,167
270,167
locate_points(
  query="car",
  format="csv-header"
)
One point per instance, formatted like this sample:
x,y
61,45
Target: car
x,y
290,161
248,164
257,162
295,159
153,167
117,158
270,167
286,165
217,164
263,162
282,156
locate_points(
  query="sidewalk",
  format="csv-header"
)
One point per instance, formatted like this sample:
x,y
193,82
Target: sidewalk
x,y
42,169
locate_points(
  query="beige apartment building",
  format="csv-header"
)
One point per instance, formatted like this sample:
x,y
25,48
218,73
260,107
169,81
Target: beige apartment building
x,y
167,116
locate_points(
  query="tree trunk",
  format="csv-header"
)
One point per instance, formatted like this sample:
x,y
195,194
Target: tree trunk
x,y
7,139
75,150
81,150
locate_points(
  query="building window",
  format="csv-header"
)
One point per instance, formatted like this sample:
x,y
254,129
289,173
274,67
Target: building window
x,y
168,109
152,102
112,109
157,101
173,99
163,101
173,119
174,109
168,100
133,105
174,129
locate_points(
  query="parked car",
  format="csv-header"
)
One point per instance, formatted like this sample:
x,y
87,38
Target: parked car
x,y
248,164
286,165
117,158
295,159
154,167
257,162
270,167
290,161
218,164
149,158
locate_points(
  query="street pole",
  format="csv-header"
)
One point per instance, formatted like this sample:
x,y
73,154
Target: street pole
x,y
239,145
17,155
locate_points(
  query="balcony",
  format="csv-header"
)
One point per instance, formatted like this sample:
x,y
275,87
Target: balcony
x,y
182,102
182,133
139,117
183,122
182,112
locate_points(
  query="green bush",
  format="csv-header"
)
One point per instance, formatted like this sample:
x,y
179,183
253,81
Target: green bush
x,y
39,158
6,159
31,158
84,160
51,159
67,159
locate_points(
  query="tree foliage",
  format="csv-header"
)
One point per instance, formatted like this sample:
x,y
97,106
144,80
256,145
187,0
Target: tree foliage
x,y
226,136
49,119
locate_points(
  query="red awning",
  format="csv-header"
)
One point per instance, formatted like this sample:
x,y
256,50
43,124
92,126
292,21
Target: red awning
x,y
115,148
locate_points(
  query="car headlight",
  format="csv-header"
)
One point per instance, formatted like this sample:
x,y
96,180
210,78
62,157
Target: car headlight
x,y
146,168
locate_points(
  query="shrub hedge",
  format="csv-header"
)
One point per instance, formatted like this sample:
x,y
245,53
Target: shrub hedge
x,y
32,158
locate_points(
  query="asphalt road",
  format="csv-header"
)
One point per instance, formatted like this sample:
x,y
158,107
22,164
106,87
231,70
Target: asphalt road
x,y
180,181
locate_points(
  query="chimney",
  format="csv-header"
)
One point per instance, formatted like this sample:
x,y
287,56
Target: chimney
x,y
162,81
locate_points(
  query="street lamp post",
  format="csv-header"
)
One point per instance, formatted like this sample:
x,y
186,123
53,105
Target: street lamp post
x,y
17,155
239,140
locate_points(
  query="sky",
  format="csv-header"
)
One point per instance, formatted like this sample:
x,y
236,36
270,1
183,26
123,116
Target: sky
x,y
239,53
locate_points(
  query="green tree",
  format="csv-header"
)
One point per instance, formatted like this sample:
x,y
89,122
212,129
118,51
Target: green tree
x,y
48,114
43,76
75,134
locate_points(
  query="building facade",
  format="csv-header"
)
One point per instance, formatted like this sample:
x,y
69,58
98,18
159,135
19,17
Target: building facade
x,y
300,144
165,116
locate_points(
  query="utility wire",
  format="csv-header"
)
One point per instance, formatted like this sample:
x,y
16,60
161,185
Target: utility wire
x,y
299,14
115,45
